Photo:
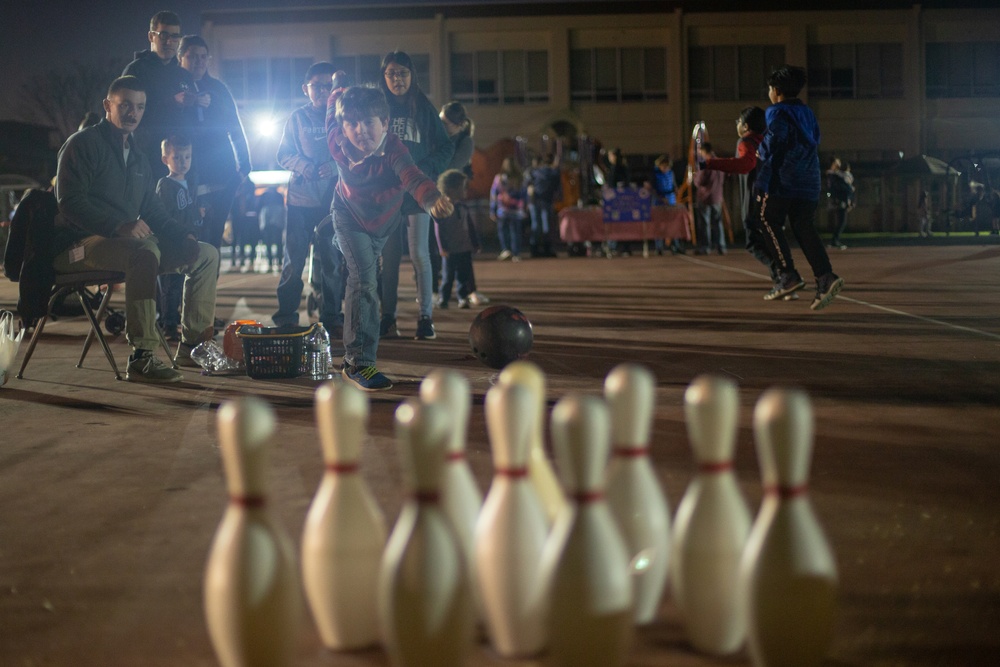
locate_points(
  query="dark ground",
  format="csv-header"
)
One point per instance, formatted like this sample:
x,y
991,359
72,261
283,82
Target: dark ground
x,y
111,492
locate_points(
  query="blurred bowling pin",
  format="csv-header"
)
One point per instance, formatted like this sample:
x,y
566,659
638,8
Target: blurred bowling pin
x,y
789,577
460,497
539,469
511,531
590,614
712,523
425,599
344,533
634,492
251,586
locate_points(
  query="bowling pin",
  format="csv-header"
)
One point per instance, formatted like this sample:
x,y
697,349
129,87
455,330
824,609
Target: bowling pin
x,y
460,497
251,586
634,494
590,613
712,523
511,532
425,599
539,469
344,533
788,573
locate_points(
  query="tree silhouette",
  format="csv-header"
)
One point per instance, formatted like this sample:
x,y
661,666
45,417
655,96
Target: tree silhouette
x,y
60,96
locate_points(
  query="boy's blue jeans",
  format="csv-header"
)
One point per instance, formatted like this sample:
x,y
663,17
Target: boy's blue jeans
x,y
361,308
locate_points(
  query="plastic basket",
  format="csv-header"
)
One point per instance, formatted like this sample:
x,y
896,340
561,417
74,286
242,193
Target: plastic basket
x,y
273,352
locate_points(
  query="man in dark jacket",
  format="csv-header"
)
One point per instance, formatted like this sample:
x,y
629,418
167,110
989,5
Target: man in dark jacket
x,y
221,159
111,219
788,185
167,87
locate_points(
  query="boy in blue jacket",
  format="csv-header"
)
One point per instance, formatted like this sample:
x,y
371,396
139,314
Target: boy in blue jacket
x,y
788,186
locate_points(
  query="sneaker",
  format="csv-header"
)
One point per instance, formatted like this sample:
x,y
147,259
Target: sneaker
x,y
827,288
504,256
721,250
838,245
443,305
147,367
787,284
463,304
425,329
477,299
794,296
388,329
183,356
366,379
515,258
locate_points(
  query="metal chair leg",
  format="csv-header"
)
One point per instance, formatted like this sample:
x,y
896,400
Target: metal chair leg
x,y
31,345
99,315
97,331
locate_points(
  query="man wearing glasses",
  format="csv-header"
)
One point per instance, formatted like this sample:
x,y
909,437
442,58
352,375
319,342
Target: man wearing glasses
x,y
167,87
304,151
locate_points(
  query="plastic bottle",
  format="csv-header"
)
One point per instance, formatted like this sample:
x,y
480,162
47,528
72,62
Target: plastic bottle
x,y
318,346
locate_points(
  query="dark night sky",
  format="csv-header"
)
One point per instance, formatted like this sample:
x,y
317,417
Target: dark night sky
x,y
36,35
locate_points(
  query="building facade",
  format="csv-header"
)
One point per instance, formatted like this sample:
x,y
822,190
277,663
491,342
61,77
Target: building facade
x,y
885,83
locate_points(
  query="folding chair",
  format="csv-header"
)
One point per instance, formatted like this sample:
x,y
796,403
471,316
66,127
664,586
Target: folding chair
x,y
78,283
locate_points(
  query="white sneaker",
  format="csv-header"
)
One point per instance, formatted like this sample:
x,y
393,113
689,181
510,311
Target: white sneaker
x,y
504,256
477,299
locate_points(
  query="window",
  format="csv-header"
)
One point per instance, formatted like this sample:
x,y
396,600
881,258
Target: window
x,y
729,73
367,68
856,71
963,69
500,77
265,78
618,74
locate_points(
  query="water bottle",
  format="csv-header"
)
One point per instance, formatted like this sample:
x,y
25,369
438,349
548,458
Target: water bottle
x,y
318,347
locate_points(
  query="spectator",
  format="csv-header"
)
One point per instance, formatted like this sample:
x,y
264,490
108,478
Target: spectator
x,y
665,186
221,156
458,240
840,199
415,121
460,129
246,228
167,87
708,205
544,183
924,213
110,219
304,152
271,214
507,197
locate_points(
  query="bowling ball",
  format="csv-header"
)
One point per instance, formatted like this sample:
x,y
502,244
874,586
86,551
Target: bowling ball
x,y
499,335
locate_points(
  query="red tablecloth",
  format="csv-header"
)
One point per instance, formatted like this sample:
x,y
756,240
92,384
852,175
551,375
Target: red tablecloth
x,y
587,224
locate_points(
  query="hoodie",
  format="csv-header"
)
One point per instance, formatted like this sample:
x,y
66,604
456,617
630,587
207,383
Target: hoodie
x,y
788,164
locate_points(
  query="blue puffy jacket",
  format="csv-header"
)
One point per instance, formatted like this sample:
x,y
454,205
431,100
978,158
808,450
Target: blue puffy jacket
x,y
788,164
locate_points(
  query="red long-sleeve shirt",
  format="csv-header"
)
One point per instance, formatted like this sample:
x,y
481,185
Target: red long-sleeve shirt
x,y
745,160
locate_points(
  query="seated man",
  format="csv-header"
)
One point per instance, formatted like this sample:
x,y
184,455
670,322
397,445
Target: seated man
x,y
111,219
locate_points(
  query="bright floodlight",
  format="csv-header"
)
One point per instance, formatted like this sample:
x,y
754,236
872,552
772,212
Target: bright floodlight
x,y
266,126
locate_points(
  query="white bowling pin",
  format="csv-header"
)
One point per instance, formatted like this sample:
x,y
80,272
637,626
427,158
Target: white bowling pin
x,y
712,523
590,613
634,492
344,533
511,532
425,599
540,470
788,573
460,496
252,598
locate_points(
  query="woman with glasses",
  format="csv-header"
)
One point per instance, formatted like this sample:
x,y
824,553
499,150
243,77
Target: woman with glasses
x,y
415,121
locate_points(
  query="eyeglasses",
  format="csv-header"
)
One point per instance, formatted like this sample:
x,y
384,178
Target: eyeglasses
x,y
166,36
320,86
399,74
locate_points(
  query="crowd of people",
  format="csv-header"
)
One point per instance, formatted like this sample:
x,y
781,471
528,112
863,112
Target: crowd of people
x,y
149,189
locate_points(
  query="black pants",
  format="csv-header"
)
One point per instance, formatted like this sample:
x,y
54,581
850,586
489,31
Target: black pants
x,y
839,224
457,268
801,216
756,243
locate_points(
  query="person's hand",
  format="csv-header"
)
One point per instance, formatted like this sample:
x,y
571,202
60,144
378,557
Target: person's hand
x,y
442,207
135,230
204,100
185,98
443,253
309,173
325,170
